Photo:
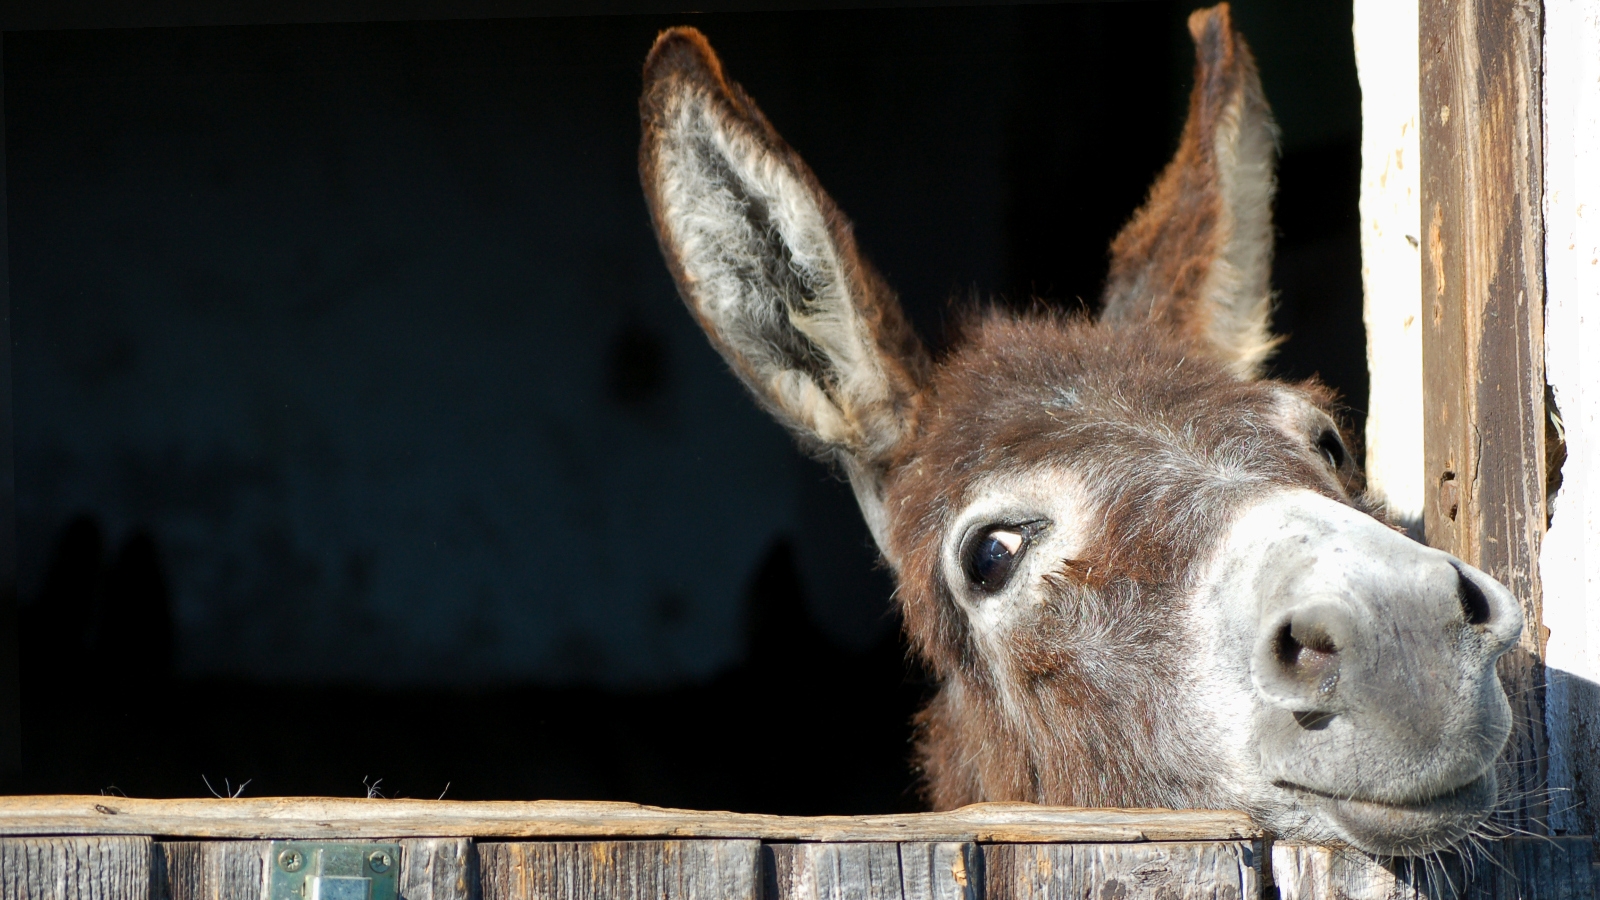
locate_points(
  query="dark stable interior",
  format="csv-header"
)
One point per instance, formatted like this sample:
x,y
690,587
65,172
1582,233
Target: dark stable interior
x,y
363,445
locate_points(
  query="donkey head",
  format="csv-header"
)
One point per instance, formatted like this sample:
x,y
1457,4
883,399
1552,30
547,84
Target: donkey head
x,y
1143,575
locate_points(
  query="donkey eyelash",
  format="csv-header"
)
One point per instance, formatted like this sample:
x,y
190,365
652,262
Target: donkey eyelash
x,y
1028,528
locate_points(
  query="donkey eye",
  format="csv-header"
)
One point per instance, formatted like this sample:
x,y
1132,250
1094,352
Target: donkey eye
x,y
990,558
1332,449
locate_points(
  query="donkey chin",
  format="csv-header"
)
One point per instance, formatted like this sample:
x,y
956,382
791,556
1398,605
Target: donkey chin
x,y
1373,703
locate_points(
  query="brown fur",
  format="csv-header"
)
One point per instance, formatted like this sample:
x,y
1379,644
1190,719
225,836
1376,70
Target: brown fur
x,y
1151,408
1162,260
996,404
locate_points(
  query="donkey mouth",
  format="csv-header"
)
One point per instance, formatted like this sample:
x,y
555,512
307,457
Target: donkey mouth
x,y
1408,828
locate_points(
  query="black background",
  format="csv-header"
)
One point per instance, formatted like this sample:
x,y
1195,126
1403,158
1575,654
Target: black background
x,y
984,152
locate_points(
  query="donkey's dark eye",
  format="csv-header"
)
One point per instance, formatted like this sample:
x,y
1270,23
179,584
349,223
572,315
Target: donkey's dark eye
x,y
1332,449
991,557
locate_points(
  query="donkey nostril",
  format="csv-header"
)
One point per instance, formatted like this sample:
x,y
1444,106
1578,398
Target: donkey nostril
x,y
1474,605
1300,644
1285,647
1297,659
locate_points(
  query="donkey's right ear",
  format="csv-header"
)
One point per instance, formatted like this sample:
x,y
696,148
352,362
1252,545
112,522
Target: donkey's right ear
x,y
768,265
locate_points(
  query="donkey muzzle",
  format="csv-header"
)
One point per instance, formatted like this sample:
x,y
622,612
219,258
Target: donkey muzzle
x,y
1372,661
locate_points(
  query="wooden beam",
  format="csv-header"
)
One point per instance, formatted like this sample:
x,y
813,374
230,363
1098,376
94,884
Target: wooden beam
x,y
338,819
1483,336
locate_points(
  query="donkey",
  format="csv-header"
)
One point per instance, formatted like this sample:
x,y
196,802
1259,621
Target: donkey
x,y
1142,574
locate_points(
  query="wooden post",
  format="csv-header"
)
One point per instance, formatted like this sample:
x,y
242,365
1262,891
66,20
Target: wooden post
x,y
1483,337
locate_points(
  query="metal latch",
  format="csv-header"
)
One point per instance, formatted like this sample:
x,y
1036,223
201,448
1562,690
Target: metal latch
x,y
334,870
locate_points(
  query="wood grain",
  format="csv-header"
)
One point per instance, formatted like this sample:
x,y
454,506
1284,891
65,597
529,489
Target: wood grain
x,y
339,819
621,870
1543,869
1483,318
1171,871
1515,869
948,871
832,872
875,871
210,870
75,868
438,869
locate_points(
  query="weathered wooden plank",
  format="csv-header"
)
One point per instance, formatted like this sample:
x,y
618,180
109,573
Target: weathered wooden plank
x,y
873,871
75,868
339,819
1214,870
1540,869
438,869
621,870
1483,324
1312,873
210,870
1515,869
832,872
949,871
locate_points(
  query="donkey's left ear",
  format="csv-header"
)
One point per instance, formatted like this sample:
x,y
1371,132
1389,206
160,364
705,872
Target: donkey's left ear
x,y
1198,256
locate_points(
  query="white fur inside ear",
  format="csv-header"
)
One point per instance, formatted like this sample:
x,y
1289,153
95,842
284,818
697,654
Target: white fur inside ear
x,y
1237,293
764,272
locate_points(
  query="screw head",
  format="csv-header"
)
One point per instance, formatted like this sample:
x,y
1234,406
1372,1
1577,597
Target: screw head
x,y
291,860
379,861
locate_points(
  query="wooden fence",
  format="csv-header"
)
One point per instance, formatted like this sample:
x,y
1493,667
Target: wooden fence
x,y
114,848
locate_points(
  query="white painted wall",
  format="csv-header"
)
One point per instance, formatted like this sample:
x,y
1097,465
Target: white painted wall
x,y
1391,225
1569,564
